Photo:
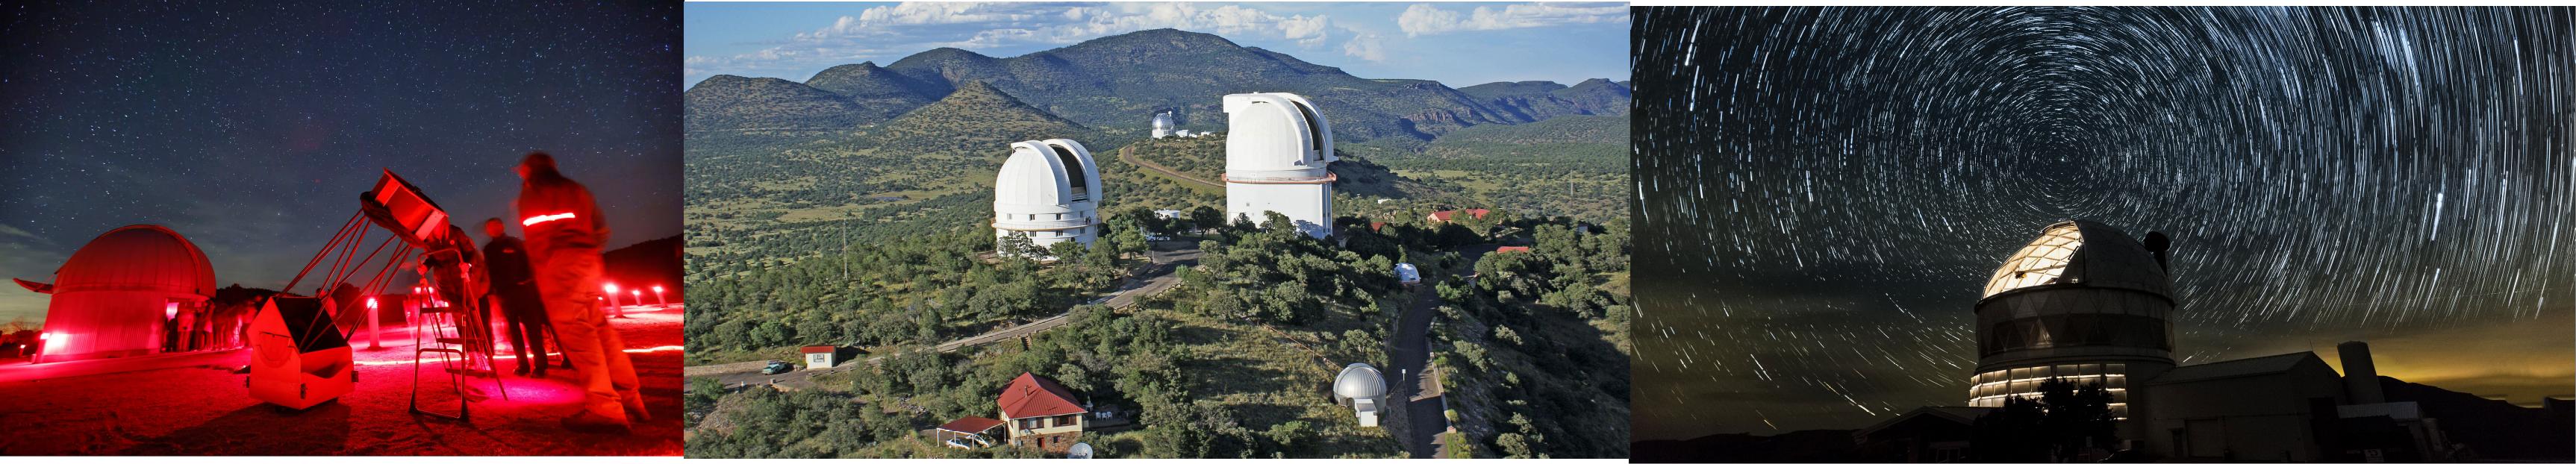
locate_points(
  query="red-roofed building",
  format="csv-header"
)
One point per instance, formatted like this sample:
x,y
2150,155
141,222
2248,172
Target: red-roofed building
x,y
1512,249
1445,216
1041,413
977,430
821,356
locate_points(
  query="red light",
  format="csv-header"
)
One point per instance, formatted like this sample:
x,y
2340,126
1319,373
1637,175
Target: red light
x,y
657,289
534,220
42,335
170,310
612,287
371,302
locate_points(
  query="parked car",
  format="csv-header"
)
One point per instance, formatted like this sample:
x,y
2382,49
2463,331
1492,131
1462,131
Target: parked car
x,y
776,367
969,442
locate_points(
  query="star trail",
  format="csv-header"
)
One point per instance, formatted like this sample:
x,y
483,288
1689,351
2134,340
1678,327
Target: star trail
x,y
1822,192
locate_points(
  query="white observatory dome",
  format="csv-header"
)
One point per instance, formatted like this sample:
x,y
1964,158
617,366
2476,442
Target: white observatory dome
x,y
1276,148
1049,189
1359,381
1276,136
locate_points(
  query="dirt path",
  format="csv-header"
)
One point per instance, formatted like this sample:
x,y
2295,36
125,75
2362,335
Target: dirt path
x,y
1127,154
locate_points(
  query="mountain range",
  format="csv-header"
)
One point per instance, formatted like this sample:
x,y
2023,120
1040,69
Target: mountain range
x,y
1123,80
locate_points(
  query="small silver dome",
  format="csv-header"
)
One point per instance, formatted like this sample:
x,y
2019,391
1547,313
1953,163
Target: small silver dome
x,y
1359,381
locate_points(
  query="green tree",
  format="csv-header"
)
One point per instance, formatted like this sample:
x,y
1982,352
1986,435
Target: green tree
x,y
1018,244
1294,438
1206,217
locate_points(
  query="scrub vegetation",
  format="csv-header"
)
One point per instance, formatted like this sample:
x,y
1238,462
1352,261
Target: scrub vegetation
x,y
838,221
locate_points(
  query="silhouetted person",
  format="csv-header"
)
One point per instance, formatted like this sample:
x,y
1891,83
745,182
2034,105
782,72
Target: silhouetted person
x,y
565,234
456,263
514,288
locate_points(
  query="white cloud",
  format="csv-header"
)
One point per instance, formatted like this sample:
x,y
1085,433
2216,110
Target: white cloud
x,y
1306,31
1366,47
1424,19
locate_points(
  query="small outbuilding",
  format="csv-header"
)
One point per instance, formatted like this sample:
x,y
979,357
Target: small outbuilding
x,y
975,430
821,356
1406,274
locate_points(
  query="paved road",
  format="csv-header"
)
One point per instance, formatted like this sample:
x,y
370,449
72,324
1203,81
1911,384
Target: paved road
x,y
1410,351
1156,278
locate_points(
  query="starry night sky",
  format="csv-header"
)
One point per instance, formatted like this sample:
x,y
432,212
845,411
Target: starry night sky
x,y
251,127
1822,193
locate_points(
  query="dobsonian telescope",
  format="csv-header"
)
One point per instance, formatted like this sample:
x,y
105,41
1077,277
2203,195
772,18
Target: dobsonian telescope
x,y
301,356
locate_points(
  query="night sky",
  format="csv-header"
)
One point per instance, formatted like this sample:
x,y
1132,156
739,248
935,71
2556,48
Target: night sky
x,y
251,127
1822,193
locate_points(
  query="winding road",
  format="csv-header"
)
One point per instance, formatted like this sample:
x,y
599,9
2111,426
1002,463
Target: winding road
x,y
1156,278
1424,406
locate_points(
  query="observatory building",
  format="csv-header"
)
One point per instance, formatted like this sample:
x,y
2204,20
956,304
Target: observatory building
x,y
2083,303
1050,191
1363,389
116,295
1275,161
1163,124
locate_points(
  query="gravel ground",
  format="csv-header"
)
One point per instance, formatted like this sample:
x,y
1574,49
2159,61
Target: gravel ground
x,y
194,405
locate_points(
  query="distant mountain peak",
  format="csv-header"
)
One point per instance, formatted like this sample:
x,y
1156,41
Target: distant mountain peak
x,y
942,54
976,102
864,67
1168,35
1598,82
874,86
976,117
725,102
977,91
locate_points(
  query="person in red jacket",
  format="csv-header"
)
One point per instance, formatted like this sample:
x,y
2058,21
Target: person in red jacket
x,y
565,234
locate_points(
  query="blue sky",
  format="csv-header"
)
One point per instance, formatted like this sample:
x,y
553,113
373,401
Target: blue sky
x,y
1458,44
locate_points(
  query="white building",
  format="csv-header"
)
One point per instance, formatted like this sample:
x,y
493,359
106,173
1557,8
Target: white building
x,y
1275,161
2081,303
1050,191
1363,389
1163,125
820,356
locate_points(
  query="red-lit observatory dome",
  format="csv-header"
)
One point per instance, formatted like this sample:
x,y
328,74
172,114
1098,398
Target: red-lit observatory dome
x,y
138,258
113,297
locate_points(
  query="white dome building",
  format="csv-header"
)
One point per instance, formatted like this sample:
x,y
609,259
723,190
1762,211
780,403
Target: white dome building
x,y
1163,125
1275,161
2082,303
1363,389
1049,190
